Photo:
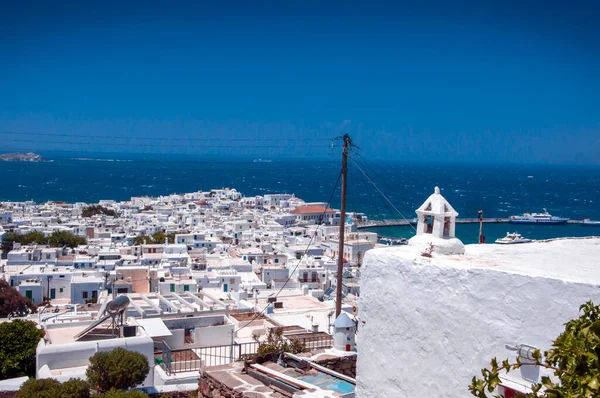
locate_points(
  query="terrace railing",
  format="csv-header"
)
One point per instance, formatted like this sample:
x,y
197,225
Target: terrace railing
x,y
194,359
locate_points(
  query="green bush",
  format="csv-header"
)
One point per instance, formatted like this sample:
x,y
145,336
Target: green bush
x,y
18,343
123,394
117,369
40,388
75,388
52,388
274,343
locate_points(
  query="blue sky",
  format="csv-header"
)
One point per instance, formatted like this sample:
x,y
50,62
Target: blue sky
x,y
474,81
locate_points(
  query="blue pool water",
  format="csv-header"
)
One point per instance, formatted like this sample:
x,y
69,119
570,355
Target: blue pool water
x,y
328,382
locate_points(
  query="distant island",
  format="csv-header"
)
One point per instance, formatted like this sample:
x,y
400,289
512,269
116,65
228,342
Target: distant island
x,y
22,157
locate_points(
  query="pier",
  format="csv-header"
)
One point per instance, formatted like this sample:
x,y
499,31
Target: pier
x,y
404,223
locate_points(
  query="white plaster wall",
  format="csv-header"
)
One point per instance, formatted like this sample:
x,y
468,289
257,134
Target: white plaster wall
x,y
426,330
76,354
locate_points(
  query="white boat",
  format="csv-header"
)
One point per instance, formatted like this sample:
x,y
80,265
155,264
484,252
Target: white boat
x,y
512,238
589,223
537,218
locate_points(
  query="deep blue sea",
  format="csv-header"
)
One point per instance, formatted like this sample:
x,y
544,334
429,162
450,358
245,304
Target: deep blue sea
x,y
499,190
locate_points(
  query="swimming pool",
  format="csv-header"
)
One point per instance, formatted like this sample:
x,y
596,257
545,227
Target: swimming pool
x,y
328,382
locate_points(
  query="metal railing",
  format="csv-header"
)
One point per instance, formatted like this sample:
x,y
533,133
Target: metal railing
x,y
319,341
193,359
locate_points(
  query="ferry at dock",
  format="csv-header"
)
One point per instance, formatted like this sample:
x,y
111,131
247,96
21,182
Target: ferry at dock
x,y
538,218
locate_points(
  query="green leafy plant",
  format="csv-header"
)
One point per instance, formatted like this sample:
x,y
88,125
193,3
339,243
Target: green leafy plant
x,y
56,239
157,238
52,388
42,388
18,343
573,358
113,393
275,343
75,388
119,369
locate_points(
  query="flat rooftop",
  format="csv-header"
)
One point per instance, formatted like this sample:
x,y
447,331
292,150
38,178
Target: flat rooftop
x,y
566,259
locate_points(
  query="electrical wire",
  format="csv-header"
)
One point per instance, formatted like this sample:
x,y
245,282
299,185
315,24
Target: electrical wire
x,y
154,145
382,194
305,251
208,138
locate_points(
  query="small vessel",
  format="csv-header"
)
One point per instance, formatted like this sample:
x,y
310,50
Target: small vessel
x,y
589,223
537,218
512,238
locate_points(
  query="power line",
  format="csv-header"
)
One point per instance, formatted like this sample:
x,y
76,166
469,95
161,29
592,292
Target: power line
x,y
303,254
207,138
153,145
160,161
382,194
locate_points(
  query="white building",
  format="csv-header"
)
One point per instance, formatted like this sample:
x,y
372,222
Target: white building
x,y
445,310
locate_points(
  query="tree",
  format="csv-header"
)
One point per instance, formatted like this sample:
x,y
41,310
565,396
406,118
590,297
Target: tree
x,y
120,369
12,303
25,239
97,209
574,359
18,343
154,239
64,238
275,343
52,388
56,239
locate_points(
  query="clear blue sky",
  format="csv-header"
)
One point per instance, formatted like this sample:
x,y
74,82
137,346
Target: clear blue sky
x,y
508,82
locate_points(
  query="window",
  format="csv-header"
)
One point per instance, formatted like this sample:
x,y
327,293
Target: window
x,y
85,295
188,336
94,294
186,288
48,256
61,276
60,290
276,260
172,287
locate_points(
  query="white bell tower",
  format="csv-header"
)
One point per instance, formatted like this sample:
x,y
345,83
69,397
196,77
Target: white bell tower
x,y
437,225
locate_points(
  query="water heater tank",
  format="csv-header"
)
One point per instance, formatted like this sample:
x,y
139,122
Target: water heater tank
x,y
117,305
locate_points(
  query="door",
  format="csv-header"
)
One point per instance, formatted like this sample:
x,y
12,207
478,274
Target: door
x,y
52,294
29,294
172,287
225,287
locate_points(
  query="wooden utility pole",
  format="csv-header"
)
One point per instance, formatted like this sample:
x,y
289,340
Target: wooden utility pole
x,y
340,264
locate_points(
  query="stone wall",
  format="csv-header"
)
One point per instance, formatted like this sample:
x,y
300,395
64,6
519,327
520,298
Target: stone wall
x,y
210,387
344,365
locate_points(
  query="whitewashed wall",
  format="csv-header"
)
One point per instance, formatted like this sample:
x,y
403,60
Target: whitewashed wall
x,y
428,329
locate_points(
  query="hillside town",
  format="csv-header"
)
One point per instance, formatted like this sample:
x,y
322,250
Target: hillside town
x,y
196,272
